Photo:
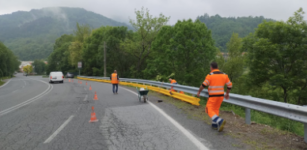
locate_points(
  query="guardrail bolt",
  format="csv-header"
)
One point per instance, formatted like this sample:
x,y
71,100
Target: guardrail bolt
x,y
248,116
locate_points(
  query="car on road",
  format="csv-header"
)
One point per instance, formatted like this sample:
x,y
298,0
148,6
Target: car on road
x,y
70,75
56,76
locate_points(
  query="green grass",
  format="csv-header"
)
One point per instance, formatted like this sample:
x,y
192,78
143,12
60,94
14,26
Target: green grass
x,y
45,76
264,118
3,78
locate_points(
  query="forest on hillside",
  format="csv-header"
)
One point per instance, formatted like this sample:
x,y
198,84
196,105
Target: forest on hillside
x,y
31,35
223,27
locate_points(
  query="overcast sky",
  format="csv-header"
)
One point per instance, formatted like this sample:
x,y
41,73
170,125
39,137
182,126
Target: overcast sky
x,y
122,10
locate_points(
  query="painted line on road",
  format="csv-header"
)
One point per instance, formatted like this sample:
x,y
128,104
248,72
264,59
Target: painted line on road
x,y
176,124
5,83
52,136
50,87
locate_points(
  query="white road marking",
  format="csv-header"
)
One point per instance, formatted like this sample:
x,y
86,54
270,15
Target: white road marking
x,y
52,136
176,124
85,98
50,87
5,83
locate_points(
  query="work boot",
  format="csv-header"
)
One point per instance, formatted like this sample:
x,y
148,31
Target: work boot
x,y
214,126
221,123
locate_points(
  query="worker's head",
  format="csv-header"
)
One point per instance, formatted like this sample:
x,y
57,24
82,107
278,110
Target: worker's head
x,y
213,66
170,79
115,71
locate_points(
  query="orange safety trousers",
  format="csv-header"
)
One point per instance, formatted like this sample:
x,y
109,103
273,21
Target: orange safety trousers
x,y
213,106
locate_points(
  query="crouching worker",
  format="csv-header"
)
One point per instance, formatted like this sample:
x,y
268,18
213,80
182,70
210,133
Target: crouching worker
x,y
215,82
173,81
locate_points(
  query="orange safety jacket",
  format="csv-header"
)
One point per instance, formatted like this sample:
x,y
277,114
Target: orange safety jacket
x,y
173,82
215,82
114,78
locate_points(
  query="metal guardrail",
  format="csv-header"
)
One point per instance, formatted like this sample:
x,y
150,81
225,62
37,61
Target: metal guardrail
x,y
289,111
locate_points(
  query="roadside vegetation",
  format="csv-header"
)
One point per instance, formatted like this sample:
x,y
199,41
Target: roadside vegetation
x,y
8,63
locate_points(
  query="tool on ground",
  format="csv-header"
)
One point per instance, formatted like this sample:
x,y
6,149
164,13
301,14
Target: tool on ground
x,y
142,94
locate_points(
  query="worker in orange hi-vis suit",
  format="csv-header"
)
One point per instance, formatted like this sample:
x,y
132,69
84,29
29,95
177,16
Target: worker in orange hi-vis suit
x,y
216,81
173,81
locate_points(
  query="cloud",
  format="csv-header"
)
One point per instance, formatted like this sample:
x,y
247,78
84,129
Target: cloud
x,y
122,10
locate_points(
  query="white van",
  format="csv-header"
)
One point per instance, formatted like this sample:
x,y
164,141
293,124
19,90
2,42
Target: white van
x,y
56,76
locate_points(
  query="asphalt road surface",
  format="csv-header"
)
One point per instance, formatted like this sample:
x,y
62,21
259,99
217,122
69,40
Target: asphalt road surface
x,y
36,115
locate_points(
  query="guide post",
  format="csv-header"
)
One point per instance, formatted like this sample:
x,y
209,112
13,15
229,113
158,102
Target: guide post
x,y
79,66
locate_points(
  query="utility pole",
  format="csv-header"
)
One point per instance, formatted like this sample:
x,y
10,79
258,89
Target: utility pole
x,y
105,59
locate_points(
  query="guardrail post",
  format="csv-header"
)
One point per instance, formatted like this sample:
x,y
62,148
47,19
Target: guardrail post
x,y
248,116
305,132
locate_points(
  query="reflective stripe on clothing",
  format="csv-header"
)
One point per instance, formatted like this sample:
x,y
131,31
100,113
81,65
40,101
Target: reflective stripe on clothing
x,y
206,83
217,80
216,91
215,87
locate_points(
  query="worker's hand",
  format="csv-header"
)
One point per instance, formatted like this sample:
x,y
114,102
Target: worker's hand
x,y
198,94
227,96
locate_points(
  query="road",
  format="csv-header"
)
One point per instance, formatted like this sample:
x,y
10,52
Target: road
x,y
36,115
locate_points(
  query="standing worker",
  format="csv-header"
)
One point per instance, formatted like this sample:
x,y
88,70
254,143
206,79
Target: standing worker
x,y
114,80
215,82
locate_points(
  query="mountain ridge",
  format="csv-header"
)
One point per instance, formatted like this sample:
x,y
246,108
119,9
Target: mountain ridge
x,y
31,34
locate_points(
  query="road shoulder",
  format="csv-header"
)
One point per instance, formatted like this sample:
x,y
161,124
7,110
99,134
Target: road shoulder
x,y
236,134
197,127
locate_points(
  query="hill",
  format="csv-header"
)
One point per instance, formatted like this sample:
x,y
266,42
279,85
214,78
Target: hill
x,y
223,27
31,35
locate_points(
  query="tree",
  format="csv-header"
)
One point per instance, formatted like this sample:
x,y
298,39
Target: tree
x,y
277,55
39,66
8,61
185,49
147,27
27,69
223,27
75,48
117,58
58,60
234,63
